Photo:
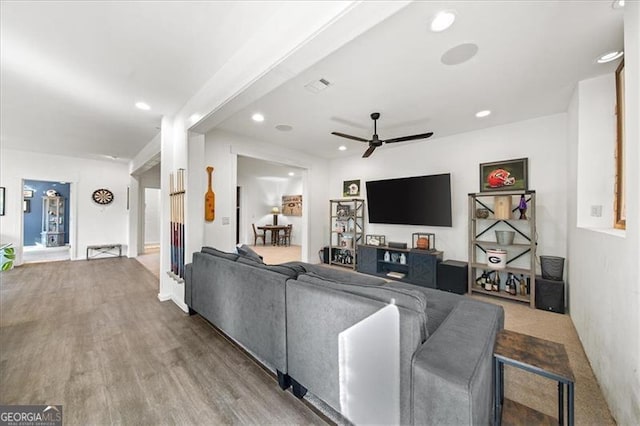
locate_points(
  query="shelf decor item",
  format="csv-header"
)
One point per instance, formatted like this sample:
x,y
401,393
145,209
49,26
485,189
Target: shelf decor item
x,y
375,240
507,175
505,238
423,241
502,207
522,207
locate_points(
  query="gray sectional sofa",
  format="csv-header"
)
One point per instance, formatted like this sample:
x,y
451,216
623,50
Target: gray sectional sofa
x,y
289,317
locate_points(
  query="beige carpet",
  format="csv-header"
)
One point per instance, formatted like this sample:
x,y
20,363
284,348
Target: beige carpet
x,y
278,254
526,388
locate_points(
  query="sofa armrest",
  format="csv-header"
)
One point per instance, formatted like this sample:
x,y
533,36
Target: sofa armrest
x,y
453,369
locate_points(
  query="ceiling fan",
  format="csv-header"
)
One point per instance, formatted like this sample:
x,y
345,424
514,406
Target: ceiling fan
x,y
375,141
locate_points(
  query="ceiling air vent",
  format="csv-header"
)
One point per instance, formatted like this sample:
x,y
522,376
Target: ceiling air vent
x,y
317,86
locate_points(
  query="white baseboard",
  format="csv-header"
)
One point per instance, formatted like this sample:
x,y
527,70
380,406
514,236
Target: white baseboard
x,y
164,297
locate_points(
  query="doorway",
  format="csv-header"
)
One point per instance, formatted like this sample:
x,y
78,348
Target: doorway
x,y
46,212
261,188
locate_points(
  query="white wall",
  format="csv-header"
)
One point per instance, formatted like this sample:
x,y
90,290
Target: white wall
x,y
90,223
603,266
541,140
221,152
152,216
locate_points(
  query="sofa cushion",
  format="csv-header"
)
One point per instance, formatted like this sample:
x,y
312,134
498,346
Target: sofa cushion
x,y
346,277
412,300
300,267
247,252
287,271
215,252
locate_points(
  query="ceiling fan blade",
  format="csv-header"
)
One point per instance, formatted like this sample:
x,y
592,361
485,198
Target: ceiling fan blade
x,y
355,138
369,151
410,138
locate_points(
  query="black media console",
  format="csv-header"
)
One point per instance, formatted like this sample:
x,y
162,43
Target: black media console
x,y
419,267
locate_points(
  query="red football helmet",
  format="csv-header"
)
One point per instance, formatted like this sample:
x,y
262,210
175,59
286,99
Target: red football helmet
x,y
500,177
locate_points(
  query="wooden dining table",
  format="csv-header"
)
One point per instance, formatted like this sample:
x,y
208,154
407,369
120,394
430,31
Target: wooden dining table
x,y
275,232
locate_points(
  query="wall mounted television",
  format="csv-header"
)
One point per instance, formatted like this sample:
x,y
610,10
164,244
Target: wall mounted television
x,y
418,200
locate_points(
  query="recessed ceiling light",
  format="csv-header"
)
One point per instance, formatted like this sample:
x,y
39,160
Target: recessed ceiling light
x,y
291,173
284,127
442,21
194,118
618,4
143,106
342,148
483,113
610,56
257,117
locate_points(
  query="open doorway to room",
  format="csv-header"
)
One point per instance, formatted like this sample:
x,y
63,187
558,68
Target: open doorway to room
x,y
270,214
149,219
46,213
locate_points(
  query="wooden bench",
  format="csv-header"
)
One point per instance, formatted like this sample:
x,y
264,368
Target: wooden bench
x,y
104,249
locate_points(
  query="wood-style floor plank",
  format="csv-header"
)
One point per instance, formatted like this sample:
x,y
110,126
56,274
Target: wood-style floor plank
x,y
92,336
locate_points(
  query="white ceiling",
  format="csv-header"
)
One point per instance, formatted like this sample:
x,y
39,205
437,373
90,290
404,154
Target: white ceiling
x,y
72,71
530,57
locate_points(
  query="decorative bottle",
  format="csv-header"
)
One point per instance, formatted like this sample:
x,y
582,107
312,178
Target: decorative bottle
x,y
487,283
387,256
496,283
403,259
522,207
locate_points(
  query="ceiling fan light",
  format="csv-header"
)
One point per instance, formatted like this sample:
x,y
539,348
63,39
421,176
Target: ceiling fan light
x,y
442,20
610,56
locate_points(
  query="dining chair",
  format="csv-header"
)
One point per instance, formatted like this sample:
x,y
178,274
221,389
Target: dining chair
x,y
285,239
257,236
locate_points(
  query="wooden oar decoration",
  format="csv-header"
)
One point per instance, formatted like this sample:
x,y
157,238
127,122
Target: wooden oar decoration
x,y
209,199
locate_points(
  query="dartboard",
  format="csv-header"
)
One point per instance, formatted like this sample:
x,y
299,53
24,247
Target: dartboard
x,y
102,196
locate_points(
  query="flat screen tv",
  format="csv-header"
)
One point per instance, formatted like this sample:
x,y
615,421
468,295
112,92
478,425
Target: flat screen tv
x,y
418,200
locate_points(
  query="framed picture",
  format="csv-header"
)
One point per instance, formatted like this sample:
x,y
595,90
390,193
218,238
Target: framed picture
x,y
27,193
292,205
343,210
2,200
508,175
351,188
375,240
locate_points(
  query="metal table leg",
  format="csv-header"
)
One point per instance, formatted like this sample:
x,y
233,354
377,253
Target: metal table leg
x,y
560,403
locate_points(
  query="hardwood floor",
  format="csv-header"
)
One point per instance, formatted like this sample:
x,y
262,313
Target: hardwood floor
x,y
92,336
